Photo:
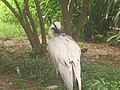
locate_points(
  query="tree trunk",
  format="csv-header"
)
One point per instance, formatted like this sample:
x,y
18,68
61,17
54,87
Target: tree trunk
x,y
29,28
33,27
41,23
81,19
66,17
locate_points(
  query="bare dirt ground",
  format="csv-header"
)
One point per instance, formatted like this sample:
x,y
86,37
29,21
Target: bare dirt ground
x,y
97,53
103,54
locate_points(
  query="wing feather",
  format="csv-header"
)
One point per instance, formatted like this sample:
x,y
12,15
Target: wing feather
x,y
65,54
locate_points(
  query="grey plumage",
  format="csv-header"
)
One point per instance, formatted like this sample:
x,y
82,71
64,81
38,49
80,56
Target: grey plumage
x,y
65,55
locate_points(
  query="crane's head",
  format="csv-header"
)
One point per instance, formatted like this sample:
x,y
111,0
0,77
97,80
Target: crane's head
x,y
55,29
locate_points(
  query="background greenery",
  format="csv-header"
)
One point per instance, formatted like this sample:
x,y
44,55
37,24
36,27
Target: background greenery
x,y
102,16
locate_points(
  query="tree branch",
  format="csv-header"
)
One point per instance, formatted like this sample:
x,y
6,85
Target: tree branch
x,y
29,15
17,5
11,8
71,7
66,17
16,15
41,23
34,40
81,19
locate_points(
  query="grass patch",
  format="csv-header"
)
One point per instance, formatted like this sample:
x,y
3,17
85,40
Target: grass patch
x,y
100,78
39,71
8,31
42,73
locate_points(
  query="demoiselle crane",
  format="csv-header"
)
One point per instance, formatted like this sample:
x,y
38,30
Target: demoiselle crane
x,y
65,55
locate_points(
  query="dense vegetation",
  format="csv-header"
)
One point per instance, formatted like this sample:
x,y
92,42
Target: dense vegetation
x,y
27,71
102,22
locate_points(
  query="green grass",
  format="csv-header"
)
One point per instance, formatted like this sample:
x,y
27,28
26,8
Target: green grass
x,y
42,73
100,78
8,31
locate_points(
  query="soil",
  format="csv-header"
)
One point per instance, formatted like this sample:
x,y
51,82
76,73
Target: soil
x,y
97,53
103,54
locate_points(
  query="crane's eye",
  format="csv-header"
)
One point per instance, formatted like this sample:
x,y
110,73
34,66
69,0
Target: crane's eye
x,y
53,28
56,31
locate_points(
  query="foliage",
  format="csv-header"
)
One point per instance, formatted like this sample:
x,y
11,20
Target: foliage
x,y
6,15
8,31
102,15
114,7
114,39
24,16
51,11
95,21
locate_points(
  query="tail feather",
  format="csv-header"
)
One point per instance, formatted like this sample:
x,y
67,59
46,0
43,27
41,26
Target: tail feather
x,y
76,74
67,76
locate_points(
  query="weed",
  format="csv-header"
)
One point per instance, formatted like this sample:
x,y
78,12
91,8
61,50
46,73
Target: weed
x,y
41,71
